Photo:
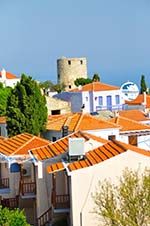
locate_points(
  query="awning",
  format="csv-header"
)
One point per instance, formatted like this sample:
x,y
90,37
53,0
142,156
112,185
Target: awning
x,y
55,167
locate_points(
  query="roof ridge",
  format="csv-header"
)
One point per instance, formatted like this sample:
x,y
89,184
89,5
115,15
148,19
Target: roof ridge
x,y
67,121
136,122
80,119
132,147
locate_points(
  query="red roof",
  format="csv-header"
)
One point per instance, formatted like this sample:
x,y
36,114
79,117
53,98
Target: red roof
x,y
96,86
140,100
9,75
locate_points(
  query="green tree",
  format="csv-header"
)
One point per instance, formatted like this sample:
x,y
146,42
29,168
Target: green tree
x,y
12,217
82,81
127,203
46,84
143,85
59,87
4,93
96,78
26,108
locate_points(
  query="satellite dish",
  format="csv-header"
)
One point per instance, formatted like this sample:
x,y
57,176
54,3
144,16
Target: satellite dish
x,y
129,91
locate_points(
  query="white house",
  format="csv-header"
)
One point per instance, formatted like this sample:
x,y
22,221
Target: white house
x,y
74,176
133,132
62,125
8,79
94,97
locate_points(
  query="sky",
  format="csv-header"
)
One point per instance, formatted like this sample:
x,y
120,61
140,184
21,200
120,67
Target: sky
x,y
114,36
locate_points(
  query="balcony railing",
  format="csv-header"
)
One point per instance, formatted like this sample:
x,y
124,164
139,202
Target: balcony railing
x,y
10,203
61,201
4,183
45,218
28,188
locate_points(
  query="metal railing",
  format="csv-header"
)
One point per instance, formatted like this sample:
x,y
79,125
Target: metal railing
x,y
4,183
10,203
28,188
45,218
62,201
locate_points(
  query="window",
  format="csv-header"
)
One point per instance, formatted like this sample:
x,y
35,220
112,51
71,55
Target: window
x,y
81,61
86,98
111,137
69,86
69,62
100,100
53,139
58,77
117,97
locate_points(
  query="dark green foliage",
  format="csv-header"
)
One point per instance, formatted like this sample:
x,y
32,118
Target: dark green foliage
x,y
4,93
46,85
12,217
82,81
26,108
143,85
59,87
96,78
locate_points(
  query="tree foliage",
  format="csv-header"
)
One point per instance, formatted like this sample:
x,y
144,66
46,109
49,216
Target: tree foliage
x,y
26,108
96,78
48,85
82,81
4,93
143,85
125,204
12,217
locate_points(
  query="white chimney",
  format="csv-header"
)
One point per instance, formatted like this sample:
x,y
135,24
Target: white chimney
x,y
3,73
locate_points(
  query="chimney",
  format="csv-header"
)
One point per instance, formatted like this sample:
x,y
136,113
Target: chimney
x,y
3,73
64,131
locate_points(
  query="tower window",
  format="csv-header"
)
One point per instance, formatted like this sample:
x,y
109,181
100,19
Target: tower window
x,y
58,77
81,61
69,62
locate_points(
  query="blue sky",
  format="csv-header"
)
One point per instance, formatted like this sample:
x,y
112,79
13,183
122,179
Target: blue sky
x,y
113,35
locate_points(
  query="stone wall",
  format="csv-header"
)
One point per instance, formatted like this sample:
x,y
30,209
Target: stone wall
x,y
69,69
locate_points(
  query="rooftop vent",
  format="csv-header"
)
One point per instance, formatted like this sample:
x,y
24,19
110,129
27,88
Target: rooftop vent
x,y
76,147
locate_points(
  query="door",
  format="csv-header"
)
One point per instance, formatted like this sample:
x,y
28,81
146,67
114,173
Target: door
x,y
109,102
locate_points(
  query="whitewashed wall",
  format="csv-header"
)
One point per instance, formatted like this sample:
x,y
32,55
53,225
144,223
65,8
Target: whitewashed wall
x,y
84,183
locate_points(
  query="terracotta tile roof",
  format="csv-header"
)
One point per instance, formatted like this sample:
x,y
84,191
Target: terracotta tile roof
x,y
61,146
2,120
107,151
78,121
96,86
55,167
9,75
134,114
140,100
98,155
129,125
20,144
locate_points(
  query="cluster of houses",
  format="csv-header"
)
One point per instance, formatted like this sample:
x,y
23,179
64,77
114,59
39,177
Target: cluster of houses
x,y
52,177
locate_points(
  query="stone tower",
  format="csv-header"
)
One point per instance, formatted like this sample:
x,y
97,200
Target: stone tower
x,y
69,69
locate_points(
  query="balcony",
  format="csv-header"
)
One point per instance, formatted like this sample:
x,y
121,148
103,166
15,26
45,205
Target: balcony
x,y
45,218
4,183
61,203
10,203
28,189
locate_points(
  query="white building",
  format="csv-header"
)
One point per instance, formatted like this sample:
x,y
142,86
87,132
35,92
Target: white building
x,y
74,176
8,79
94,97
